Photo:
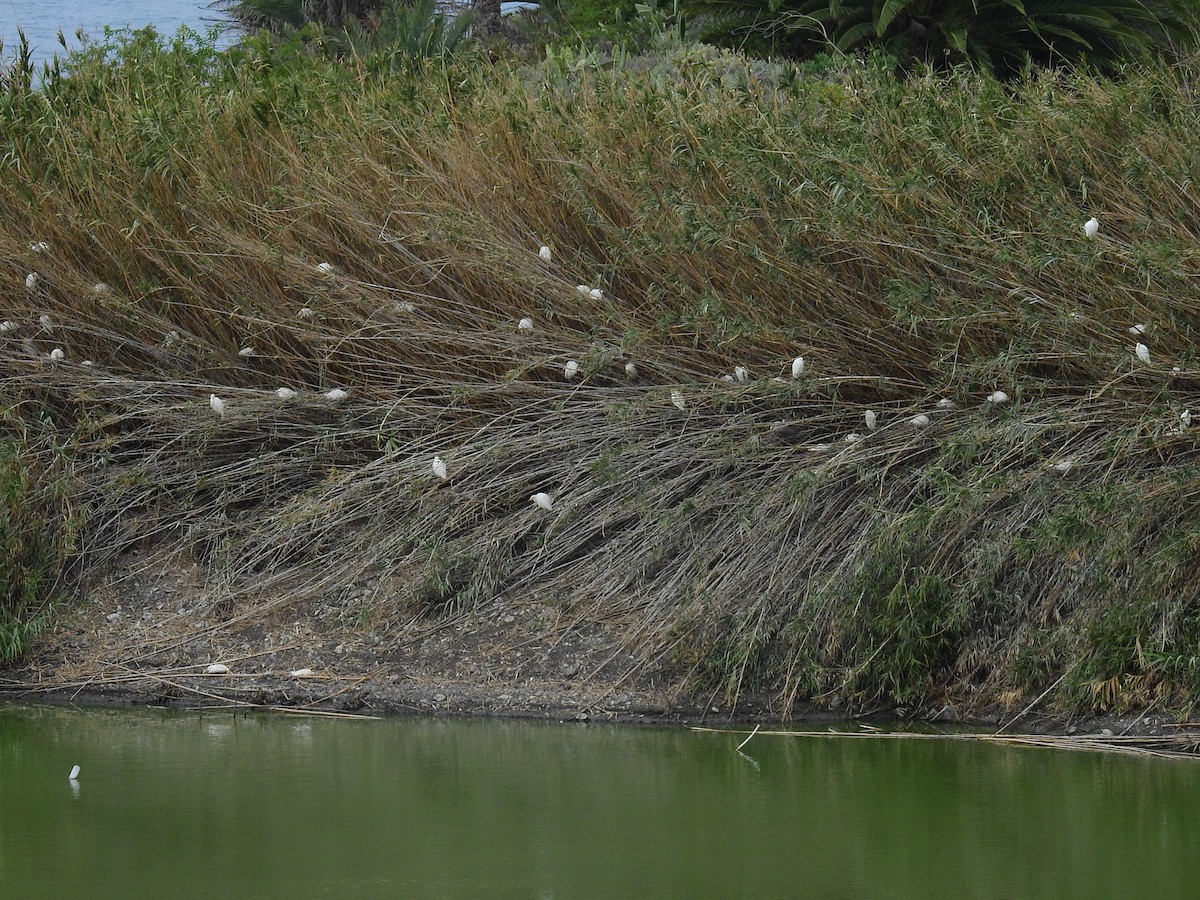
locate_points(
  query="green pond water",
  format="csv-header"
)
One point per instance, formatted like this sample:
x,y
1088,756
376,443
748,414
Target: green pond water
x,y
221,806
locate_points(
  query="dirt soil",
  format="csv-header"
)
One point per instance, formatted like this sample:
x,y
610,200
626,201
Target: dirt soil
x,y
148,632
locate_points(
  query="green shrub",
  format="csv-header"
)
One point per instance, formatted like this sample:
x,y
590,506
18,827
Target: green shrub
x,y
29,555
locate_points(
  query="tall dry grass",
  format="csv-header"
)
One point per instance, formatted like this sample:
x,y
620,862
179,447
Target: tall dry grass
x,y
914,241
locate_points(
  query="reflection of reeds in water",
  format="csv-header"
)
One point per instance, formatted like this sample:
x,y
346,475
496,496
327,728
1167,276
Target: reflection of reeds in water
x,y
912,243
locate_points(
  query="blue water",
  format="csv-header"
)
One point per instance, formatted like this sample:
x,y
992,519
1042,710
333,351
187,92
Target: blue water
x,y
41,20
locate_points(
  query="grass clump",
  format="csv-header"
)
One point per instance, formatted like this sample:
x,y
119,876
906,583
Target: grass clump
x,y
916,242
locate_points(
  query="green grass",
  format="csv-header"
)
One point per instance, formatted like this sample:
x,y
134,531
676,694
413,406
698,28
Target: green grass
x,y
912,240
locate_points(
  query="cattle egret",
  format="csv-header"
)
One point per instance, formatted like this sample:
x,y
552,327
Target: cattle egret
x,y
307,312
39,247
439,468
1064,466
742,374
945,403
217,669
596,294
1143,353
852,438
1091,227
797,366
869,418
335,395
57,354
100,288
543,500
326,268
301,673
526,324
678,401
571,369
630,371
7,326
284,393
246,352
919,421
31,280
544,253
997,397
44,321
1185,419
583,288
1138,330
74,773
217,404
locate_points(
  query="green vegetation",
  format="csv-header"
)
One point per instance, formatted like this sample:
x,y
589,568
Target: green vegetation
x,y
914,241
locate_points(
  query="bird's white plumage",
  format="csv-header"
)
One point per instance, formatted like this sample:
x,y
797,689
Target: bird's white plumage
x,y
596,294
439,468
1064,465
1142,352
571,369
526,324
326,268
100,288
7,326
301,673
631,371
74,773
31,280
797,366
543,500
217,404
285,393
39,247
217,669
307,312
545,254
997,397
57,354
742,374
335,395
919,421
852,438
1091,227
44,321
1185,419
1138,330
246,352
678,401
583,288
945,403
871,419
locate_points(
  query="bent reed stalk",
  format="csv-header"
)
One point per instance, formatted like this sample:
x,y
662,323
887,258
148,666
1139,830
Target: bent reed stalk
x,y
913,241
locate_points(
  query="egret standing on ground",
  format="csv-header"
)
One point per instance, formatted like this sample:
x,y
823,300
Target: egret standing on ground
x,y
870,419
217,404
439,468
526,324
1143,353
544,253
1091,227
284,393
630,371
797,366
335,395
571,369
542,500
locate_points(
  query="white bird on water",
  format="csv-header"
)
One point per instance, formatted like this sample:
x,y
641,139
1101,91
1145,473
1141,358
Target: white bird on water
x,y
630,371
1143,353
439,468
797,366
542,500
545,254
335,395
284,393
57,354
217,404
571,369
1091,227
871,420
678,401
526,324
31,280
74,773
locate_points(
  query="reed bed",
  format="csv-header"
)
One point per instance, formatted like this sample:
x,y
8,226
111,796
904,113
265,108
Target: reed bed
x,y
915,242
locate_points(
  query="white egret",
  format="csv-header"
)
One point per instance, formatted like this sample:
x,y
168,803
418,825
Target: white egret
x,y
630,371
1091,227
526,324
571,369
1064,466
39,247
1143,353
74,773
1185,419
919,421
44,321
797,366
852,438
7,326
596,294
335,395
217,669
742,374
945,403
246,352
678,401
1138,330
326,268
439,468
545,254
997,397
301,673
727,378
542,500
285,393
57,354
583,288
217,404
87,362
31,280
870,419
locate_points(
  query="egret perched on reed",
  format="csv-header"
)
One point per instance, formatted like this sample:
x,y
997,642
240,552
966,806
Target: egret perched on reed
x,y
1142,352
797,366
39,247
678,401
307,312
57,354
1138,330
542,500
545,254
742,374
285,393
997,397
919,421
571,369
44,321
439,468
631,371
217,404
526,324
74,773
326,268
945,403
335,395
871,420
246,352
31,280
1091,227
